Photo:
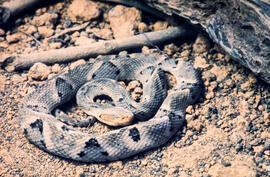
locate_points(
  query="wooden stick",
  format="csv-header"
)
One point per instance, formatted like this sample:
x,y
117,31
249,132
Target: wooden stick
x,y
99,48
69,30
29,35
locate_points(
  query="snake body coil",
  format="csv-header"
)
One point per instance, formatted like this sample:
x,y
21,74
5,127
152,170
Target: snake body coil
x,y
167,112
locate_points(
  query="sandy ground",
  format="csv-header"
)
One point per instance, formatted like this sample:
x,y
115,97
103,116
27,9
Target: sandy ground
x,y
226,132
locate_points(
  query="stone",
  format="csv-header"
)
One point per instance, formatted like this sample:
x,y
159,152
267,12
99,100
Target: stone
x,y
201,44
45,31
142,27
138,90
55,45
31,29
83,10
124,21
266,118
160,25
189,109
171,49
133,84
76,63
56,68
16,78
221,73
240,27
200,62
39,71
145,50
185,53
2,32
210,95
47,19
13,38
84,41
102,33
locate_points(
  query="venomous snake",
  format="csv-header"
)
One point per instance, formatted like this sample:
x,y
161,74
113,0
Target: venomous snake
x,y
160,114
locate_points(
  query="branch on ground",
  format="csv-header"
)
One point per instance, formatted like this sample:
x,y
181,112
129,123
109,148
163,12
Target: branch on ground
x,y
25,61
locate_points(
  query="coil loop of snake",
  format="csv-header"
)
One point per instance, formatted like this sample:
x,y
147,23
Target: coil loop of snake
x,y
160,114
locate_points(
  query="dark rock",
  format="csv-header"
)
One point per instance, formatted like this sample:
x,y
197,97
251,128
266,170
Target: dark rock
x,y
260,154
33,43
225,164
67,24
249,147
238,147
241,28
37,35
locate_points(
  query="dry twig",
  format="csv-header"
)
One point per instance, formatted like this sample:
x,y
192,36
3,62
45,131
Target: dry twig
x,y
69,30
99,48
29,35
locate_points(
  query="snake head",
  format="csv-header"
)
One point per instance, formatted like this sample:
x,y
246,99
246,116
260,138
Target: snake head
x,y
115,120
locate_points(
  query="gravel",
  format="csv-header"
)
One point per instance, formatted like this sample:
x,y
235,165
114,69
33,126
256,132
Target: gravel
x,y
226,132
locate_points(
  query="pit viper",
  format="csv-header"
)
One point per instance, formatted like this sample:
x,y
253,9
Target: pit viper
x,y
158,115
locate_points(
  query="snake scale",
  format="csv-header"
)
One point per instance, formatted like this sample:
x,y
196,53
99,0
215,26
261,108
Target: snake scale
x,y
160,114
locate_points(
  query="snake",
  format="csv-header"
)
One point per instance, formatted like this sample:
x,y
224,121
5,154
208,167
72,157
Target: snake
x,y
147,124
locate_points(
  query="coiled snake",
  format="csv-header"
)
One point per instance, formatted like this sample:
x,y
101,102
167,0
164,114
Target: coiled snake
x,y
167,111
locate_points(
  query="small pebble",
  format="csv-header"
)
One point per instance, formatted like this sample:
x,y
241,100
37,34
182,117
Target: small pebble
x,y
83,10
201,44
56,68
83,41
55,45
39,71
76,63
124,20
67,24
45,31
225,163
133,84
238,147
13,38
160,25
31,29
138,90
2,32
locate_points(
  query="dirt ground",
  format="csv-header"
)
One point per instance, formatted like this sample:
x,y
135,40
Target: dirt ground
x,y
226,132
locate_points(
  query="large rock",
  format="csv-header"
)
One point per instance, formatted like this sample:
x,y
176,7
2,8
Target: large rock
x,y
240,27
124,21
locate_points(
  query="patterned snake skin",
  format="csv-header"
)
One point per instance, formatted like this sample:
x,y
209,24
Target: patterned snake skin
x,y
167,112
